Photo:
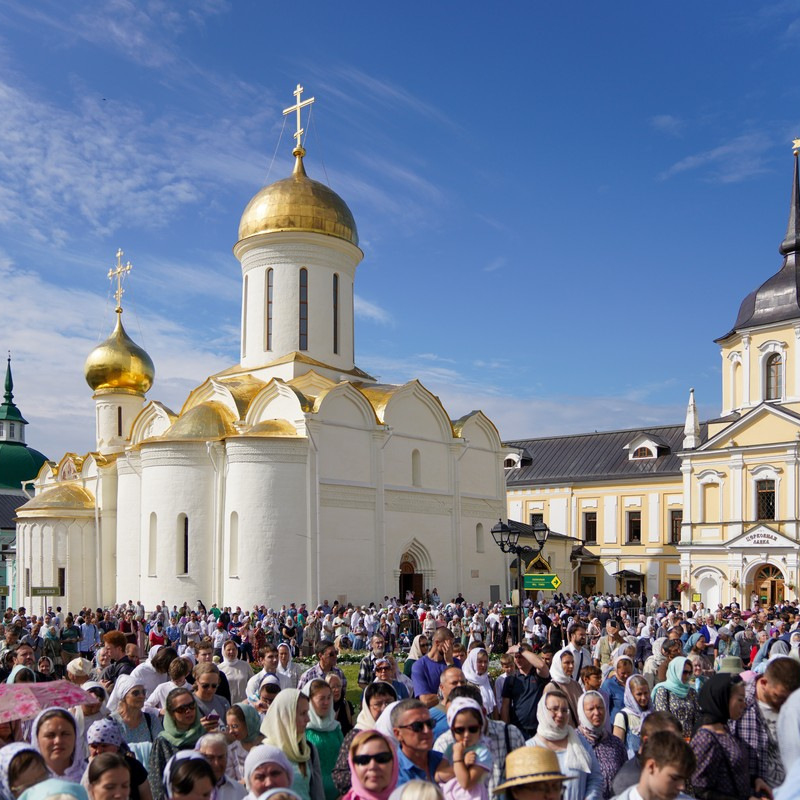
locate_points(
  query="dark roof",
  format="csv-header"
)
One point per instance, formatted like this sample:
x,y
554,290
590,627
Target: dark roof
x,y
18,463
9,503
596,457
527,530
778,299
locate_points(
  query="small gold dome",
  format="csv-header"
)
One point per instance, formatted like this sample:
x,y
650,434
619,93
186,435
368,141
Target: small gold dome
x,y
119,365
298,203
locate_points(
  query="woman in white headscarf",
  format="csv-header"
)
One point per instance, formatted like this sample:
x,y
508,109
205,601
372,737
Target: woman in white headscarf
x,y
288,672
476,671
561,680
576,758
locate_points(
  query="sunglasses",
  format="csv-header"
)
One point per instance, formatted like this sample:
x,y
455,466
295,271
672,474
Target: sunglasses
x,y
462,729
184,709
208,685
378,758
420,725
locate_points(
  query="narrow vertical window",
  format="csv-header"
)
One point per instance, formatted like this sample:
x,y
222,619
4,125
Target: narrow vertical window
x,y
416,468
480,545
233,543
27,581
765,499
774,376
119,420
152,550
590,527
182,545
186,545
2,429
62,582
11,429
336,314
303,309
244,317
269,285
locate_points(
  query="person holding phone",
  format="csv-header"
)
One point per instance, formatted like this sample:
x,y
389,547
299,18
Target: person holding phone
x,y
211,707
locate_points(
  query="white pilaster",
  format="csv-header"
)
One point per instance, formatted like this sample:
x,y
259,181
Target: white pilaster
x,y
653,517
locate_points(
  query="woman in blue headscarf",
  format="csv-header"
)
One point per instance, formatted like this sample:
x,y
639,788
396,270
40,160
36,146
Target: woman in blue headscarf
x,y
55,789
676,695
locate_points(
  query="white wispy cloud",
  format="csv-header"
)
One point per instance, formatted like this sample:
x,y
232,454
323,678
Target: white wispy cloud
x,y
736,160
667,123
371,311
496,263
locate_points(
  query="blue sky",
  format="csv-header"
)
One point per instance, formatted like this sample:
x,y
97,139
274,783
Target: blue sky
x,y
560,205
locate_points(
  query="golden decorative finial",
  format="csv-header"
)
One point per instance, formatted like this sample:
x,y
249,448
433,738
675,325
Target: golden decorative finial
x,y
121,270
298,92
795,146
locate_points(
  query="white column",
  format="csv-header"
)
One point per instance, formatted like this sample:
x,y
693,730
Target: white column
x,y
746,368
654,517
796,390
610,520
686,524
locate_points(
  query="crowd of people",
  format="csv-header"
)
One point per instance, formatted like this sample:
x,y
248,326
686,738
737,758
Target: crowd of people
x,y
599,698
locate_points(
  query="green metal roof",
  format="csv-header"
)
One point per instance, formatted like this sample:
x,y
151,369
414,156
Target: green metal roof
x,y
18,463
8,410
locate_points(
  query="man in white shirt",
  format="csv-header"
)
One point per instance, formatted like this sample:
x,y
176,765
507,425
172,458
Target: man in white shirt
x,y
577,646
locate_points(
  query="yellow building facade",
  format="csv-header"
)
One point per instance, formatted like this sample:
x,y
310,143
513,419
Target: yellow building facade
x,y
697,511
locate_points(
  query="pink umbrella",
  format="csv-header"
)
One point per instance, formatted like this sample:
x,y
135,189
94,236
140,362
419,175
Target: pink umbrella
x,y
26,700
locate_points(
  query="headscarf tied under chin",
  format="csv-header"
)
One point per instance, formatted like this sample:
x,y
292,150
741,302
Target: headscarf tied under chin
x,y
715,697
631,705
266,754
315,721
285,674
674,680
74,772
557,673
280,726
483,682
7,754
357,789
577,756
172,764
594,733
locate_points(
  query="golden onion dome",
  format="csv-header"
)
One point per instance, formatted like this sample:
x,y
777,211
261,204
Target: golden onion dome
x,y
119,364
298,203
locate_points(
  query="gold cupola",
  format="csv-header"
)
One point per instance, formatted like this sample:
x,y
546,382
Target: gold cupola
x,y
118,364
298,203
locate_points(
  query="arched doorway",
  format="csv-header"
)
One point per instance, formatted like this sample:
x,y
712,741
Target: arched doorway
x,y
768,585
410,579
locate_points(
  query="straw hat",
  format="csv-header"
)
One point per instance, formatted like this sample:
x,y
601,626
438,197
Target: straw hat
x,y
531,765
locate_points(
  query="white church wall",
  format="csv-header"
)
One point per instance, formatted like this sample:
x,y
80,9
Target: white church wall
x,y
132,540
345,454
266,485
178,486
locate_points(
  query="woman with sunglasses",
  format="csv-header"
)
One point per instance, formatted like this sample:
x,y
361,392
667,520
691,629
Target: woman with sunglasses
x,y
182,729
212,707
284,727
676,695
373,767
377,696
127,709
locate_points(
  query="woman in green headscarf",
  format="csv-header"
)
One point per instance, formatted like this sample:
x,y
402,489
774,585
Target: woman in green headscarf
x,y
182,729
676,695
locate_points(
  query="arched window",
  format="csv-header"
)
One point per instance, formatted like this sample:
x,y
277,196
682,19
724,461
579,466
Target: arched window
x,y
416,468
152,549
480,544
182,548
774,376
335,313
270,281
303,310
233,546
12,429
244,316
509,463
643,452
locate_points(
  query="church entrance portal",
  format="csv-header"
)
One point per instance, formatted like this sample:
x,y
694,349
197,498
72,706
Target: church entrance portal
x,y
768,585
410,580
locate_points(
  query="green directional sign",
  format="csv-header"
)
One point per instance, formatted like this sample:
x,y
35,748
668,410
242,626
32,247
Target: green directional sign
x,y
551,582
45,591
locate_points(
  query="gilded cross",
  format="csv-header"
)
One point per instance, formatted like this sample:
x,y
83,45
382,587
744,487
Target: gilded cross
x,y
117,273
298,92
795,146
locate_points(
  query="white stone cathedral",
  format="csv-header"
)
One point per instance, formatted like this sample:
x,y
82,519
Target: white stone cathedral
x,y
290,476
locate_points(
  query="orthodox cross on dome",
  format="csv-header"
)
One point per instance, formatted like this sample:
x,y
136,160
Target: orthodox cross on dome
x,y
298,93
118,273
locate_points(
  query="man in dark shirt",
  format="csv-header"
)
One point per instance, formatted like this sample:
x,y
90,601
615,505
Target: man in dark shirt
x,y
521,692
115,643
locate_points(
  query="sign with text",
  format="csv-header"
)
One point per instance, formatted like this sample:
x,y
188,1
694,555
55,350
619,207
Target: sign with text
x,y
5,591
546,582
45,591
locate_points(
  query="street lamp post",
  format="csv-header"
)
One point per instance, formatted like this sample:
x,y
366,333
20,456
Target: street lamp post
x,y
507,539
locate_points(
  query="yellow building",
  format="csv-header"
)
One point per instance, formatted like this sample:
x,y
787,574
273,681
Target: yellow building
x,y
693,511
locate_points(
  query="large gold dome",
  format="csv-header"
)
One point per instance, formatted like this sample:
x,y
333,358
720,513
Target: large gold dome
x,y
298,203
119,365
